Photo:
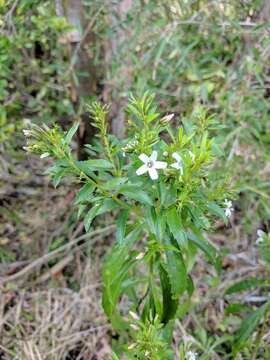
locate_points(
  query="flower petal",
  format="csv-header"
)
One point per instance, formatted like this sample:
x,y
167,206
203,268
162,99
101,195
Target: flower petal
x,y
144,158
177,157
153,173
176,165
153,156
142,170
260,233
160,164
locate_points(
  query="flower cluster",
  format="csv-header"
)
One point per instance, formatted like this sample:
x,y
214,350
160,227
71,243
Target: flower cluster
x,y
190,355
260,235
129,147
228,208
151,164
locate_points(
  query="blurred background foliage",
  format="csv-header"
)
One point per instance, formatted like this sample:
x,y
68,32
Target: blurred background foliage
x,y
193,54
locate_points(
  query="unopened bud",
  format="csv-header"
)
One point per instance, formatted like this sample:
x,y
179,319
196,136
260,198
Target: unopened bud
x,y
134,327
131,346
167,118
134,315
165,153
140,256
44,155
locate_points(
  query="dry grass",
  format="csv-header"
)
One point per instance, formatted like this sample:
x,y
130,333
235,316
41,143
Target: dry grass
x,y
50,307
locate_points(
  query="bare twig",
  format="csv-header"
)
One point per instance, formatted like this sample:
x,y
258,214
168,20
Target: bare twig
x,y
47,257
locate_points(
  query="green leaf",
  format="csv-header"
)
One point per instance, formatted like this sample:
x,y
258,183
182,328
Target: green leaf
x,y
246,284
249,325
108,205
175,225
136,194
92,165
81,210
116,267
71,133
84,193
89,217
169,303
217,210
114,356
121,226
167,194
206,247
176,269
114,184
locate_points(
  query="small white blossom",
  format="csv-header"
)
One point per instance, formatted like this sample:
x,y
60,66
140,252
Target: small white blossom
x,y
44,155
134,327
140,256
26,132
26,148
228,208
178,164
134,315
167,118
190,355
131,346
150,165
260,235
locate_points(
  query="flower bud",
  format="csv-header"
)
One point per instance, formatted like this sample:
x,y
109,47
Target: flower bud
x,y
134,327
166,119
134,315
140,256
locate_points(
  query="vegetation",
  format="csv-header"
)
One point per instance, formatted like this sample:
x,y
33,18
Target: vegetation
x,y
144,185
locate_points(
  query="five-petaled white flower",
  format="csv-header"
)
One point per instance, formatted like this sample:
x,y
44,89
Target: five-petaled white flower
x,y
150,165
260,235
228,208
178,164
190,355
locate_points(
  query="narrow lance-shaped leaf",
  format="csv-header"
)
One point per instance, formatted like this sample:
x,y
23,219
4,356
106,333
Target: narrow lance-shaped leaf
x,y
249,325
205,246
84,193
121,226
176,228
117,264
176,269
136,194
89,217
247,284
169,303
71,133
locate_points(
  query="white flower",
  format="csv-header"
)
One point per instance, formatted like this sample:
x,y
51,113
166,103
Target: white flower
x,y
134,315
190,355
228,208
167,118
260,235
178,164
150,165
26,132
134,327
44,155
140,256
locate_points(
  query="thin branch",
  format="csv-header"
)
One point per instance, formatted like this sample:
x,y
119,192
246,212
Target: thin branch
x,y
49,256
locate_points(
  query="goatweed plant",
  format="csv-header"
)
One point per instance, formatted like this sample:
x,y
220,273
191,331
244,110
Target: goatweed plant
x,y
160,182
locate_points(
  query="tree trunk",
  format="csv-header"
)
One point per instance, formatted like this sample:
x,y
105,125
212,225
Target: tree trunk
x,y
82,72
